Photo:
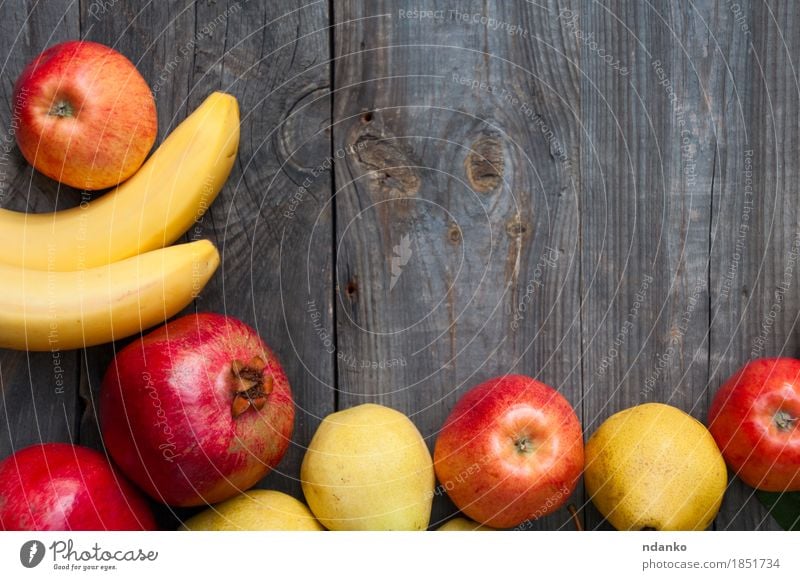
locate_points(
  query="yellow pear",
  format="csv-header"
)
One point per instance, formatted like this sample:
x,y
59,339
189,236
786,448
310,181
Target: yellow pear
x,y
655,467
368,468
258,509
460,524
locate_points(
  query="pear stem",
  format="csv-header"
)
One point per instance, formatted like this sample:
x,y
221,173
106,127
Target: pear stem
x,y
573,511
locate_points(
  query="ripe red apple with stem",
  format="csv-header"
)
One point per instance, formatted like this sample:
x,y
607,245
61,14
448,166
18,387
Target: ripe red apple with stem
x,y
197,411
511,450
63,487
86,117
755,420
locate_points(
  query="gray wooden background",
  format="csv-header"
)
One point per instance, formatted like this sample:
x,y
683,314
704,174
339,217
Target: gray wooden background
x,y
601,194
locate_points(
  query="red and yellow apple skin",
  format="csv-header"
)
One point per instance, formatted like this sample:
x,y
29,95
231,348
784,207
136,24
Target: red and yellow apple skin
x,y
86,117
755,420
510,451
63,487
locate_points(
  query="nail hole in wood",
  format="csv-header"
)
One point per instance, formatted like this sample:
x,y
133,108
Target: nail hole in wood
x,y
351,288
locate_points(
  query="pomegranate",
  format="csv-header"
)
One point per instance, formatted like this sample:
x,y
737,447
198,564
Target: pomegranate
x,y
63,487
197,411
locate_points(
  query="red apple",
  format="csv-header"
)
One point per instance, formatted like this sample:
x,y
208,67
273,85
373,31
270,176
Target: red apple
x,y
755,420
86,116
63,487
511,450
197,411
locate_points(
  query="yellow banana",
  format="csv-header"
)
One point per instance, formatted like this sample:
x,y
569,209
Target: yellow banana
x,y
42,310
152,209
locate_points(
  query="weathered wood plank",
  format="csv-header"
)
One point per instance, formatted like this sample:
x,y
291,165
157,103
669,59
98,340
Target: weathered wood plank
x,y
273,59
150,35
272,222
647,162
456,205
38,390
756,227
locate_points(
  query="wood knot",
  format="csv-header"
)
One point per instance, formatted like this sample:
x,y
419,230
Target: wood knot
x,y
454,234
390,166
300,137
516,228
485,164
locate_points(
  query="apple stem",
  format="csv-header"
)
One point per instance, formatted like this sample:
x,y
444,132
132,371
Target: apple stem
x,y
784,421
573,511
249,385
61,109
523,444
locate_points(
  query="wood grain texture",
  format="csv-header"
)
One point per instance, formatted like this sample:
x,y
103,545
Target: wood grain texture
x,y
272,222
38,391
274,60
456,207
647,162
756,227
149,36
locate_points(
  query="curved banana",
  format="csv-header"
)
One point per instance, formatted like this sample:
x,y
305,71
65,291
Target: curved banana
x,y
42,311
152,209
